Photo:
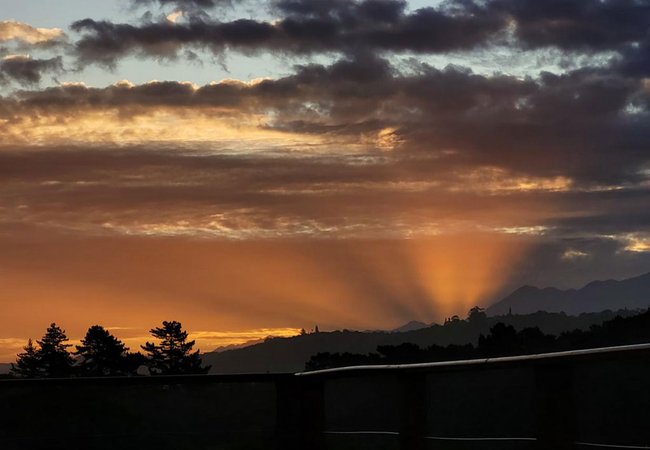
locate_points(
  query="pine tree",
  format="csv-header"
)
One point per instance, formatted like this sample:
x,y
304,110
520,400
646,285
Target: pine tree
x,y
28,364
54,358
173,356
102,354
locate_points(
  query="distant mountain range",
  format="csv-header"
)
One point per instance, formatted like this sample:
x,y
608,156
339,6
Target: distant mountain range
x,y
411,326
225,348
4,368
632,293
552,310
291,354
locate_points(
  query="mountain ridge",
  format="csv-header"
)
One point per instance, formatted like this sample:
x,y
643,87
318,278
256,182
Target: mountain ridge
x,y
290,354
552,310
598,295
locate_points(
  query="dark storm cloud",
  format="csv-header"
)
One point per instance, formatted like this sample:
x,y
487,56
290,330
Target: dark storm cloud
x,y
573,123
306,28
592,25
384,11
585,25
27,71
635,60
346,26
605,213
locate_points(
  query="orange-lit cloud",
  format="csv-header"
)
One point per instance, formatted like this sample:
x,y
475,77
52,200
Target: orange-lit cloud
x,y
637,243
173,17
10,29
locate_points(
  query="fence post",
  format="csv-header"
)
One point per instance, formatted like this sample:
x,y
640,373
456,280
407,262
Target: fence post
x,y
300,414
555,405
413,410
312,412
288,413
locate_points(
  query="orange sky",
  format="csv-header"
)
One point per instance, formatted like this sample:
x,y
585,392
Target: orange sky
x,y
164,162
217,287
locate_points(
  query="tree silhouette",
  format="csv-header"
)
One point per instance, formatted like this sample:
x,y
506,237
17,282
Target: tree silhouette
x,y
502,340
476,314
102,354
28,364
173,355
53,356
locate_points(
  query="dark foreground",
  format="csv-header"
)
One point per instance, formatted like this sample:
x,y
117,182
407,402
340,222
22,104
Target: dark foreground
x,y
568,400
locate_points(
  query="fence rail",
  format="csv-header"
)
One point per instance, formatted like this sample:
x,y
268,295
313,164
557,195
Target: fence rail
x,y
595,398
556,356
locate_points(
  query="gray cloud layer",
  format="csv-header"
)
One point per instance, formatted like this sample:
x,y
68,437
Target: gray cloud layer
x,y
180,3
342,27
27,71
588,124
347,26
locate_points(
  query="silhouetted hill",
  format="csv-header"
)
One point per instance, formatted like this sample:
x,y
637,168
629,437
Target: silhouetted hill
x,y
4,368
290,354
225,348
411,326
632,293
503,340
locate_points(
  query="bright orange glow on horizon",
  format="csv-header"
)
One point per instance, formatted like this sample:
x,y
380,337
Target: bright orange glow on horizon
x,y
230,288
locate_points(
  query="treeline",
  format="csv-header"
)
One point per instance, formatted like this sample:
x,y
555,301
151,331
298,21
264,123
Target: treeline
x,y
502,340
102,354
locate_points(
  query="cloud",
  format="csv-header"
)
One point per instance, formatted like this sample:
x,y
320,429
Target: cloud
x,y
27,71
206,4
589,25
575,125
371,25
574,139
638,242
572,254
12,30
212,194
613,32
173,17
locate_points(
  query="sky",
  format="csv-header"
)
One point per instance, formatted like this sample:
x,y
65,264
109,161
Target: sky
x,y
253,167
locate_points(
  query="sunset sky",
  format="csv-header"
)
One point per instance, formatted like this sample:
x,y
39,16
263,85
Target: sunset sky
x,y
252,167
